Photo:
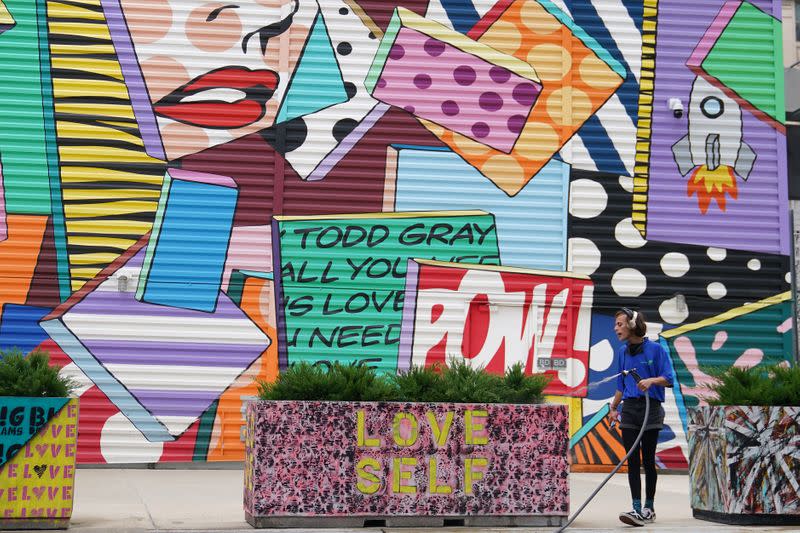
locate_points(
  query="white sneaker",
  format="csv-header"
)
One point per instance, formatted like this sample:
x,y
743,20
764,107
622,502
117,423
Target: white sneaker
x,y
632,518
648,515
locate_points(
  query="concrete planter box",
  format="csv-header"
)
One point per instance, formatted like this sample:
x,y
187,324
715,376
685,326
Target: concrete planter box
x,y
744,466
38,448
342,464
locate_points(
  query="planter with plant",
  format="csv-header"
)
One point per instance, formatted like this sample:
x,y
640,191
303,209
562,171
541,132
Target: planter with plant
x,y
744,464
344,446
38,439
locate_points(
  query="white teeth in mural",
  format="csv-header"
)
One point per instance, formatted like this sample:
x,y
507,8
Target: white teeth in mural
x,y
674,310
628,282
584,256
717,254
215,95
627,235
587,198
601,356
754,264
675,264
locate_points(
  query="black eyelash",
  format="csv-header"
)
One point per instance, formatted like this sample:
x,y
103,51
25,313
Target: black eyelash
x,y
271,30
214,14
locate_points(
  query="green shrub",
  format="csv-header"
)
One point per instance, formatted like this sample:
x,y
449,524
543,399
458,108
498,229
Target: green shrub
x,y
458,383
777,385
31,375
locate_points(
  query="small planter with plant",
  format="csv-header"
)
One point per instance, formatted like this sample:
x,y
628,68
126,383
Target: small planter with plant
x,y
344,446
744,465
38,440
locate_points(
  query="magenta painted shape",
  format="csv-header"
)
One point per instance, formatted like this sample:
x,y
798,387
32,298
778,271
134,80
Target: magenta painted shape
x,y
462,92
302,460
712,34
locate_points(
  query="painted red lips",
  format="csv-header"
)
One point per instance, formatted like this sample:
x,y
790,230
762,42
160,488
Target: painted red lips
x,y
258,87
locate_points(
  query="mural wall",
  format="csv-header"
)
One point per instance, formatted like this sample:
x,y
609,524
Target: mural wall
x,y
196,194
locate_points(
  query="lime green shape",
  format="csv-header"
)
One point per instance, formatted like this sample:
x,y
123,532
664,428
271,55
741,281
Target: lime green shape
x,y
747,60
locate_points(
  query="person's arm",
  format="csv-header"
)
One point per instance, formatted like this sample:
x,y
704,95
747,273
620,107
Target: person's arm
x,y
665,374
613,415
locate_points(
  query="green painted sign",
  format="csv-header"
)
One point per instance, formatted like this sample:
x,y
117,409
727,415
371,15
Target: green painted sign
x,y
342,278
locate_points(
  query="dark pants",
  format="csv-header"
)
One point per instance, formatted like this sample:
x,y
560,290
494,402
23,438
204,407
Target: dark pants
x,y
647,447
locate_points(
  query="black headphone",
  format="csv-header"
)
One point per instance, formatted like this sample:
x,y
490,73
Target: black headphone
x,y
632,316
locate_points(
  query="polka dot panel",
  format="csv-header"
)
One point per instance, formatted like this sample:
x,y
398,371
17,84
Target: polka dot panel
x,y
425,72
671,283
575,84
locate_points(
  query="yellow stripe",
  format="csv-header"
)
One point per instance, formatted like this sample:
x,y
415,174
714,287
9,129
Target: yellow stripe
x,y
110,111
78,29
63,88
89,174
93,258
86,273
123,207
728,315
109,194
109,227
62,49
57,9
106,67
76,130
104,153
81,240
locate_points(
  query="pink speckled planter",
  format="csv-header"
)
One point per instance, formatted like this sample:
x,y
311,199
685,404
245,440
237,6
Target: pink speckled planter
x,y
340,464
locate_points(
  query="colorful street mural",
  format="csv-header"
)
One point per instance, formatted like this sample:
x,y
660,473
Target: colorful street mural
x,y
197,194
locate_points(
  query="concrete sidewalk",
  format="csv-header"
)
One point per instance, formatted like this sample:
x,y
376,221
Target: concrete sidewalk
x,y
138,500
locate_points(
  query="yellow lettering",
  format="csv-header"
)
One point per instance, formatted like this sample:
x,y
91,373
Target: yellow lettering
x,y
365,475
362,438
399,475
435,488
471,475
440,433
476,426
397,429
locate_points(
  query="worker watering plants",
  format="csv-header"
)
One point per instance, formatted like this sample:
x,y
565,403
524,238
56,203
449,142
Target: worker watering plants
x,y
645,369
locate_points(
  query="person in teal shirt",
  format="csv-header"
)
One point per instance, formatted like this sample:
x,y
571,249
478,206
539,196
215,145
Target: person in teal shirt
x,y
652,364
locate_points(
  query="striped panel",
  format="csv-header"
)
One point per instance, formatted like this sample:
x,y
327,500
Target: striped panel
x,y
599,445
109,185
643,133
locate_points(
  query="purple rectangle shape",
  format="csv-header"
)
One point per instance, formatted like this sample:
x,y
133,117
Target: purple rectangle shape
x,y
189,354
174,402
672,215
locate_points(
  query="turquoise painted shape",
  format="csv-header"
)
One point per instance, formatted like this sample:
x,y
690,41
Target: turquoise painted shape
x,y
317,82
21,418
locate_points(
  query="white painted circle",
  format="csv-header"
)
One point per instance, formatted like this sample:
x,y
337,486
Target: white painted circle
x,y
671,313
716,290
628,282
717,254
121,442
601,355
788,277
754,264
584,256
587,198
626,182
573,375
675,264
627,235
82,382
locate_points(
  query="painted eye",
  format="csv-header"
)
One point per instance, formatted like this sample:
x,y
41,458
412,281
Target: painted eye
x,y
712,107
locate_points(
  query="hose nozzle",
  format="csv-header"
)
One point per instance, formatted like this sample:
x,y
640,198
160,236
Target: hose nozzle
x,y
633,373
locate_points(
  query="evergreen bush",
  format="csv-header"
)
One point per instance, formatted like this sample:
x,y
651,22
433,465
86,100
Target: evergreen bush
x,y
32,375
774,385
458,383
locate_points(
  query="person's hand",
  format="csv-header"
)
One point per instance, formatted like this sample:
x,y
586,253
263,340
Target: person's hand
x,y
645,384
613,416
